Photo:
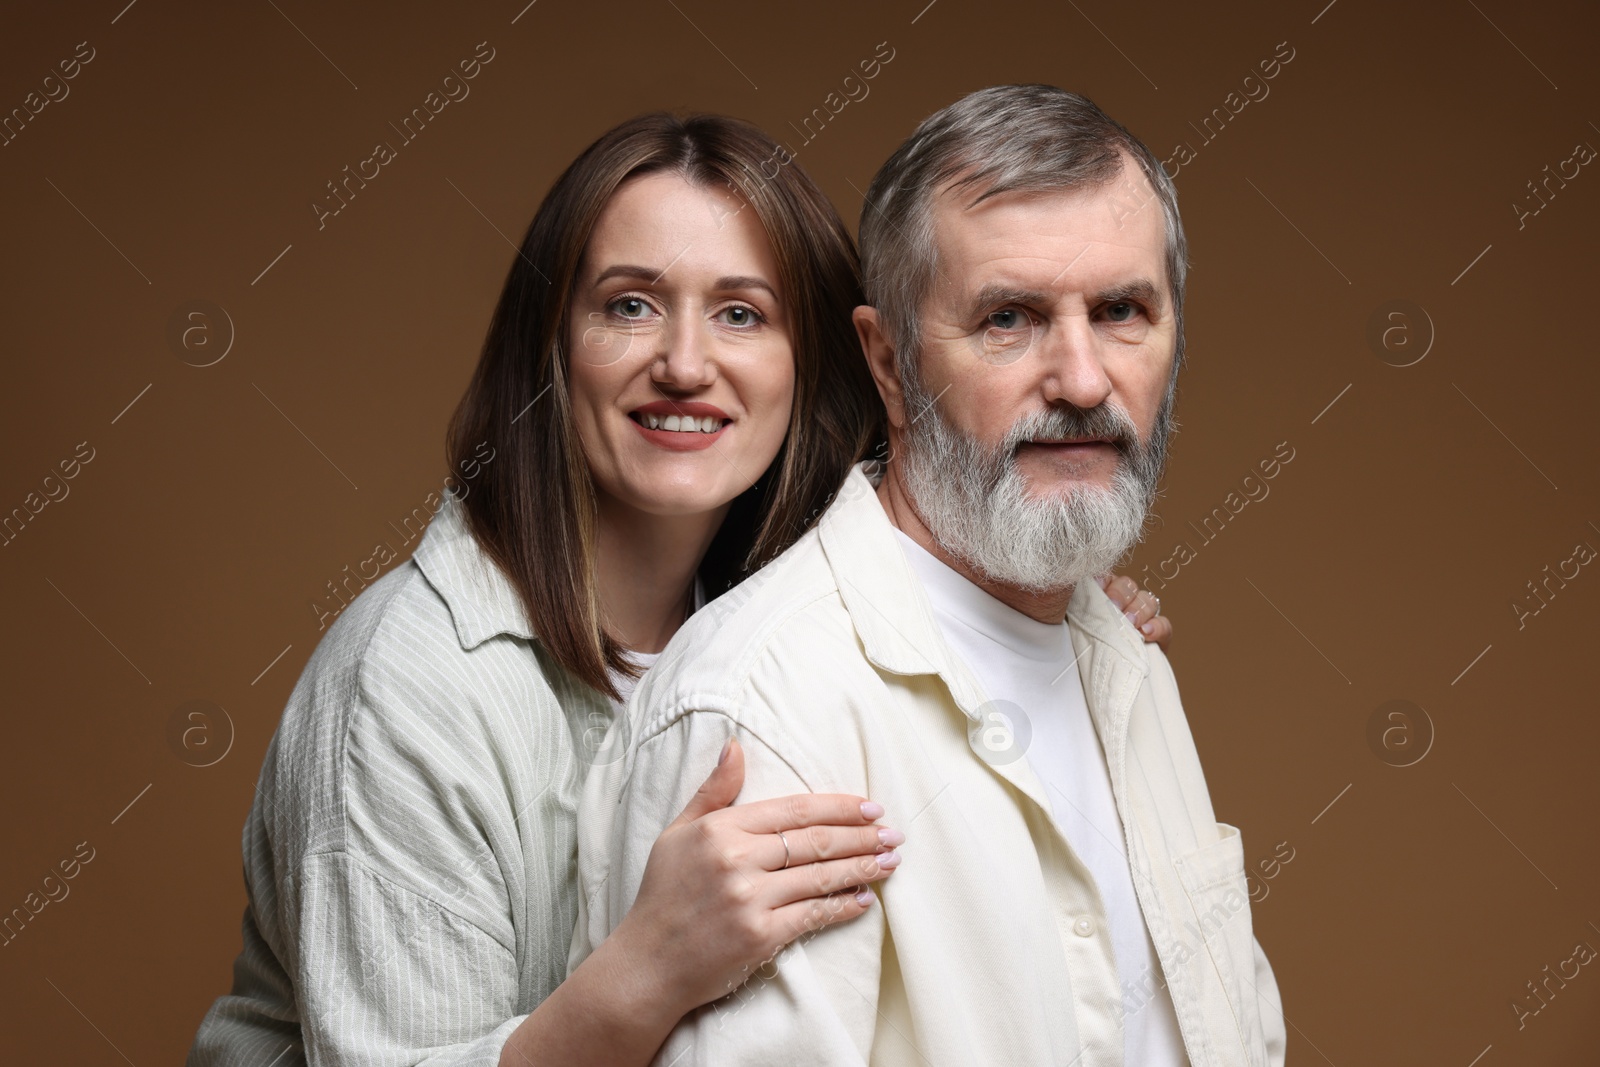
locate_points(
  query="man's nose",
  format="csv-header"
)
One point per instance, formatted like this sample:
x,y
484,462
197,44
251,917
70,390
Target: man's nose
x,y
685,359
1074,366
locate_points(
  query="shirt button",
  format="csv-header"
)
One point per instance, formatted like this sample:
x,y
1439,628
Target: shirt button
x,y
1084,927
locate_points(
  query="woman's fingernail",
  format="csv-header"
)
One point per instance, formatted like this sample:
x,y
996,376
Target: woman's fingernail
x,y
1131,616
864,897
887,860
871,809
1148,628
890,836
726,746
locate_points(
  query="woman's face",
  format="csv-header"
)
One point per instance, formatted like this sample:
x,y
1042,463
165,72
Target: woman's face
x,y
682,370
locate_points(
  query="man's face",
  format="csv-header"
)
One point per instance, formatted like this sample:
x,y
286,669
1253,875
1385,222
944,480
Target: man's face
x,y
1034,432
1044,301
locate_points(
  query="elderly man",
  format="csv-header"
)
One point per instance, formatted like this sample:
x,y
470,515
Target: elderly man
x,y
939,643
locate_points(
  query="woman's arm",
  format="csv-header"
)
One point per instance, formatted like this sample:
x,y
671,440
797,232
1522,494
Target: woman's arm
x,y
1142,607
716,901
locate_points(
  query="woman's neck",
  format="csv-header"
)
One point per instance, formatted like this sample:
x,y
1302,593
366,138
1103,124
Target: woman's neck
x,y
646,568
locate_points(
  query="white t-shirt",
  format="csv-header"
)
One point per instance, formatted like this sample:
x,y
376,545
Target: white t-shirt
x,y
625,685
1029,672
645,660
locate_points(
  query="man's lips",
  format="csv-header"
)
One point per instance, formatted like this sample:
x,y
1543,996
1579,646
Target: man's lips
x,y
1077,454
1070,444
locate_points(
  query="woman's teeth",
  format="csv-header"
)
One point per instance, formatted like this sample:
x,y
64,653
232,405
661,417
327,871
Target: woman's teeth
x,y
680,423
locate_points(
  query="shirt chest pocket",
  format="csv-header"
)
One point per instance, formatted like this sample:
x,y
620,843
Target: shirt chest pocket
x,y
1213,877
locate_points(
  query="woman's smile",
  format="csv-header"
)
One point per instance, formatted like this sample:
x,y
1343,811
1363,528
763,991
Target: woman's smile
x,y
683,425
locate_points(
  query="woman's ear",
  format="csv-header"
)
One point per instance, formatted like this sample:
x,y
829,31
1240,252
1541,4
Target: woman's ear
x,y
880,360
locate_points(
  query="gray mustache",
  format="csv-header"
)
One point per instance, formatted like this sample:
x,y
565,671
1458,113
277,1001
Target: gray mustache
x,y
1069,421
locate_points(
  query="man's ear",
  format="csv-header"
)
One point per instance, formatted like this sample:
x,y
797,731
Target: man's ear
x,y
880,360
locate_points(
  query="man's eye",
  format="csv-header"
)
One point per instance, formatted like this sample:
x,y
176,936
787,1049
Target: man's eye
x,y
1122,311
630,307
1008,319
739,315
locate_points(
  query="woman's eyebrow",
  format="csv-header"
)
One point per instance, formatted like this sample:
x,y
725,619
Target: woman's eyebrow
x,y
744,281
628,270
724,284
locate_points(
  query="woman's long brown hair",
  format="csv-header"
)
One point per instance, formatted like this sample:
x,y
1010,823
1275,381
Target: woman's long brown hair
x,y
533,510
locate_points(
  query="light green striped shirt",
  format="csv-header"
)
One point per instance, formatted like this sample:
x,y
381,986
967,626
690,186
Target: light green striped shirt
x,y
410,853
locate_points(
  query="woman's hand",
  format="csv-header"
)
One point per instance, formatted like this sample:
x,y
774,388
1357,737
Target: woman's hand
x,y
717,899
1142,607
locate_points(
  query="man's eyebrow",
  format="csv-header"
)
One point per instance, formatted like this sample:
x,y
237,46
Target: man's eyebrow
x,y
1141,289
999,294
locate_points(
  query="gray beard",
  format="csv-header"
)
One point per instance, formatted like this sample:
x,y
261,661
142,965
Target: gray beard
x,y
974,499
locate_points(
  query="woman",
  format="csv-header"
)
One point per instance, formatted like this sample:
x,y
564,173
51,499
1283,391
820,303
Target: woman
x,y
669,393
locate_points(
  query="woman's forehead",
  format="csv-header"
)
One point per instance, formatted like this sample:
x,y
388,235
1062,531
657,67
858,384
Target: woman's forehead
x,y
682,230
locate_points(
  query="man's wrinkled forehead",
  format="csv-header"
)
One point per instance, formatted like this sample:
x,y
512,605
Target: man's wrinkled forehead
x,y
1116,224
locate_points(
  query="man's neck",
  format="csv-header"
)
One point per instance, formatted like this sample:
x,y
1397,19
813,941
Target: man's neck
x,y
1046,606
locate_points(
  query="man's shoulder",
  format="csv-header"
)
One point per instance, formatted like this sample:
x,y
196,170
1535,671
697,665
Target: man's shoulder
x,y
787,612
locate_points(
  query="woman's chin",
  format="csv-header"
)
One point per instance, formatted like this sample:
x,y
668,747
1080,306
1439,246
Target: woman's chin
x,y
682,499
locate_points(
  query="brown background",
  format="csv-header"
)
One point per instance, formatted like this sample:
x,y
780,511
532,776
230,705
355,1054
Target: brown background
x,y
1382,566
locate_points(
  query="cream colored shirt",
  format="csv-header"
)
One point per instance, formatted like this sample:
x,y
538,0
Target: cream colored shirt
x,y
990,945
1039,713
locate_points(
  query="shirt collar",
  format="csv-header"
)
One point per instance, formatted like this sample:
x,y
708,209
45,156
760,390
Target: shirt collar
x,y
481,599
962,603
894,618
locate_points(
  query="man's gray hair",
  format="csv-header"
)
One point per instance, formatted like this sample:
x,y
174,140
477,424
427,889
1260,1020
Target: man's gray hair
x,y
1007,138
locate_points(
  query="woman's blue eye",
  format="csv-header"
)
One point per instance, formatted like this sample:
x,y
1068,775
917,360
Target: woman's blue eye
x,y
1007,319
631,307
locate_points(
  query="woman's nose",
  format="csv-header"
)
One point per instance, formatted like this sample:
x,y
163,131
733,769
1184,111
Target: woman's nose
x,y
685,360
